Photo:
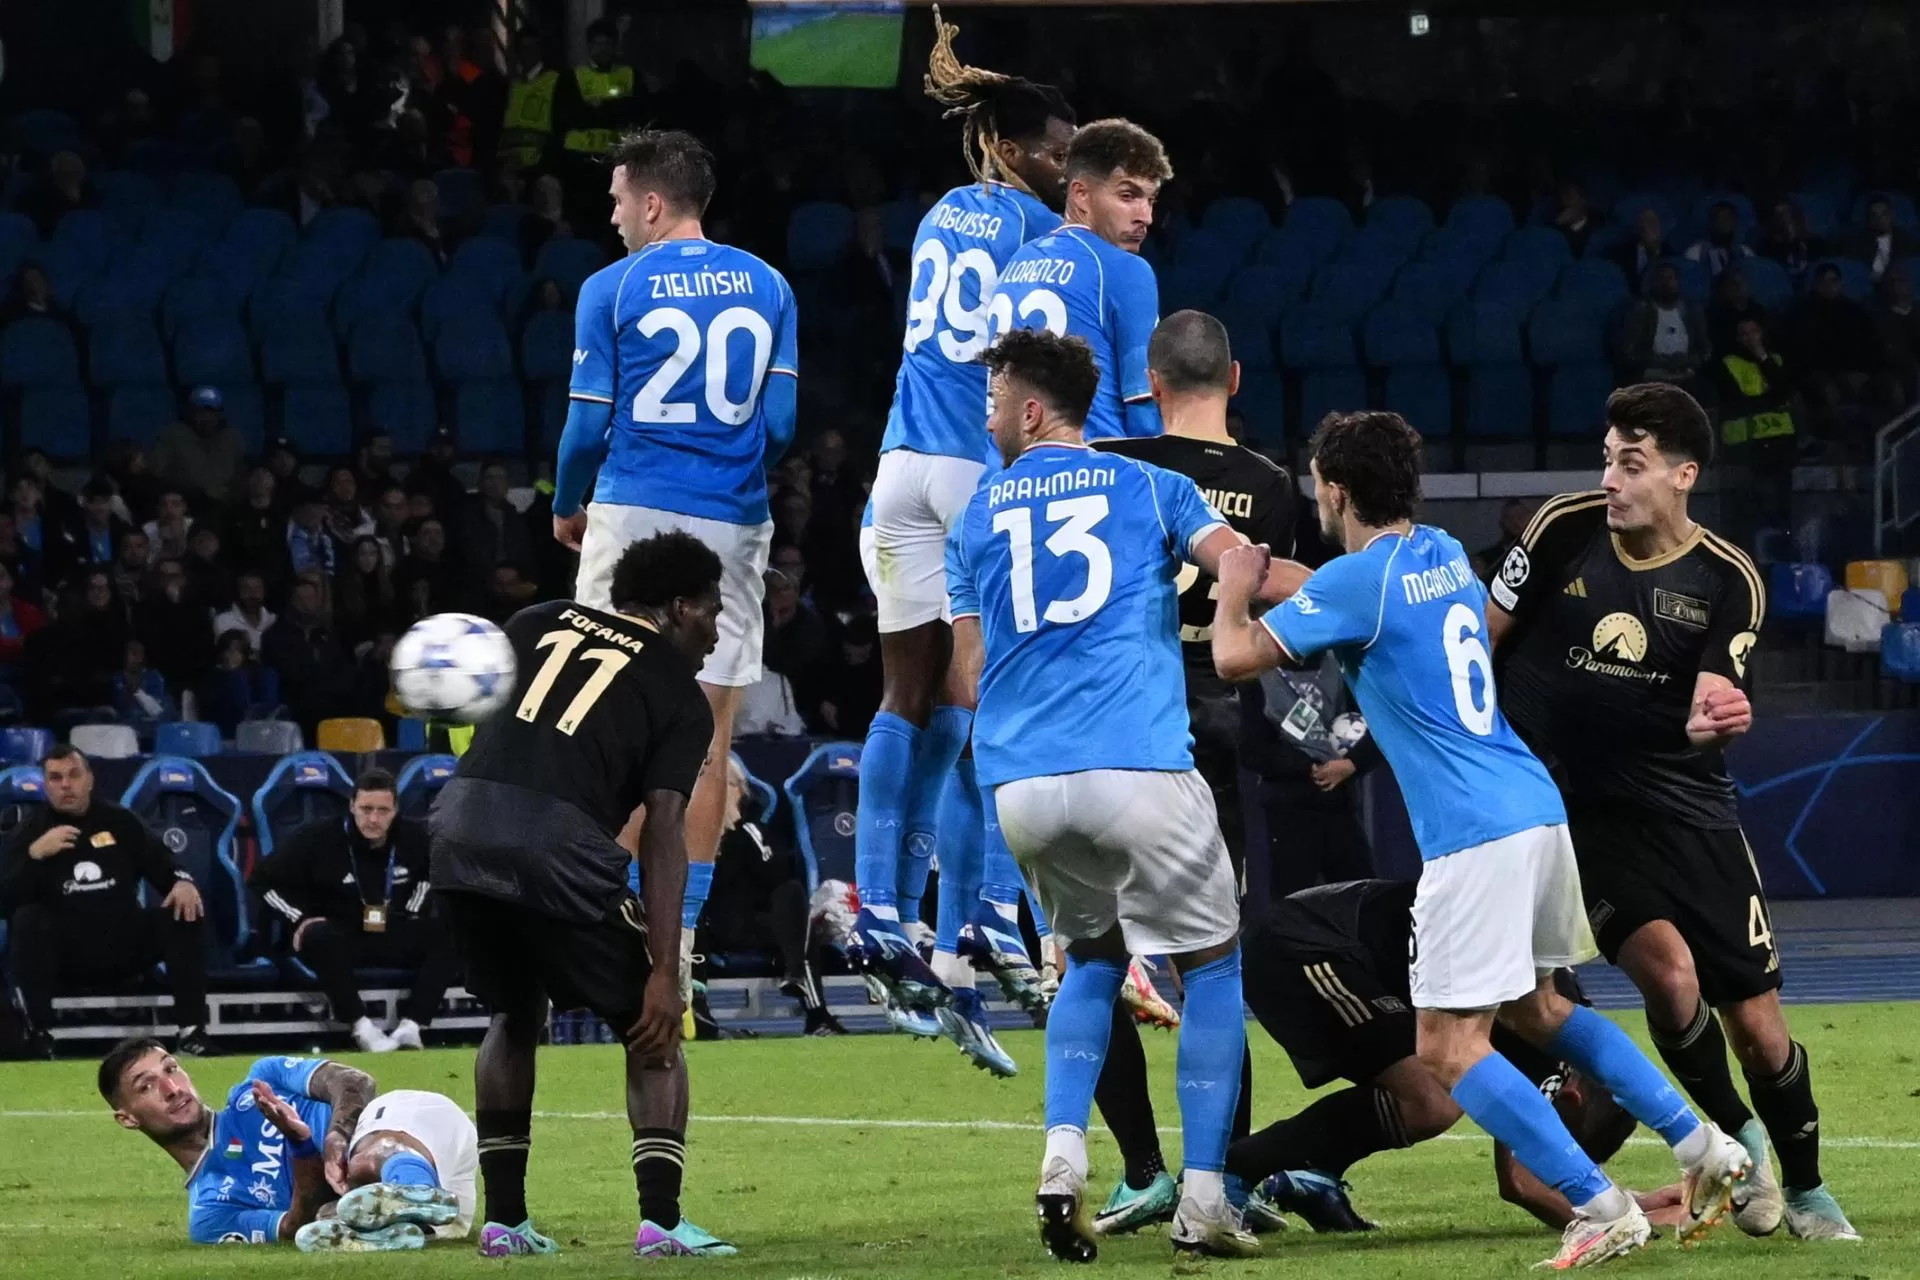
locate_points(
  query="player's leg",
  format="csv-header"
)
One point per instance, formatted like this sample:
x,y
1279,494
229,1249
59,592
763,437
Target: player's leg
x,y
991,938
963,833
1146,1192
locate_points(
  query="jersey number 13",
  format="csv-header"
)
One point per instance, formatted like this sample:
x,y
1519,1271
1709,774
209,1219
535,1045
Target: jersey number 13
x,y
1076,518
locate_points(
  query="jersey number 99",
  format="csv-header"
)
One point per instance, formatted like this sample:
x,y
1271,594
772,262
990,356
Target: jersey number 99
x,y
652,405
966,334
1076,518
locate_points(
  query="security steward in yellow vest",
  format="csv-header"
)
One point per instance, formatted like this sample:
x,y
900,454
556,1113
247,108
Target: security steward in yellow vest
x,y
596,102
527,129
1756,434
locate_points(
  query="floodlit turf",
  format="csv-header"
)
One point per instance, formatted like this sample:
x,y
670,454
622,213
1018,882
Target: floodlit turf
x,y
857,49
830,1196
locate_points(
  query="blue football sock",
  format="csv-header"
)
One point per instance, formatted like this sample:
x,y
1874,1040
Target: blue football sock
x,y
886,765
962,833
1078,1025
940,745
1041,928
699,884
1600,1050
1508,1106
1213,1040
1001,880
409,1169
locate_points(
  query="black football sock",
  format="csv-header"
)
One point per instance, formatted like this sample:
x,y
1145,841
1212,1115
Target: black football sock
x,y
504,1140
1330,1136
1697,1056
1243,1109
1786,1106
1125,1105
659,1160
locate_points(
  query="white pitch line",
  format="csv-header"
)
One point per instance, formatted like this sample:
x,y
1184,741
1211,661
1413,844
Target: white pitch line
x,y
991,1126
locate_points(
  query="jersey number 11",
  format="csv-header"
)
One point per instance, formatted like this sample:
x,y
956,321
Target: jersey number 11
x,y
563,644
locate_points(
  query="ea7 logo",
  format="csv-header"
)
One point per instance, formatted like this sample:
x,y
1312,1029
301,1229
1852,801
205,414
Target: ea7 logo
x,y
579,356
1198,1084
1079,1055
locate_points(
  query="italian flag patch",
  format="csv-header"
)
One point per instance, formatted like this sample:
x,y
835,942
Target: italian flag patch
x,y
162,26
235,1148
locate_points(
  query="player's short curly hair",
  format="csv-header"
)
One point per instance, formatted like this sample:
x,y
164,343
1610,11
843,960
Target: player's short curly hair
x,y
113,1067
1667,415
1061,371
1103,147
671,163
990,105
1375,457
656,571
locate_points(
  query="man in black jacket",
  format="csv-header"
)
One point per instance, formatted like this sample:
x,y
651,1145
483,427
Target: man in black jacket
x,y
354,895
69,887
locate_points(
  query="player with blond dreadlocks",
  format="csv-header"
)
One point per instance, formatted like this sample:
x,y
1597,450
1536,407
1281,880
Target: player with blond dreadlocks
x,y
1015,137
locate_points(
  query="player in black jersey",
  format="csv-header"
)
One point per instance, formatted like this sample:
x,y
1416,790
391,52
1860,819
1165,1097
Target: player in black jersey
x,y
1624,631
607,716
1326,975
1191,369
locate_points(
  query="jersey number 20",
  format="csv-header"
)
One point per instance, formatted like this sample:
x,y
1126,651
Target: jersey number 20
x,y
1076,518
652,405
1466,655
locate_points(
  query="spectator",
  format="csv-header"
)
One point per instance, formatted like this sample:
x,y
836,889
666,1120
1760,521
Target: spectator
x,y
378,915
257,529
848,693
64,188
1832,342
240,687
314,670
283,461
204,454
373,463
176,628
424,580
546,220
527,126
467,95
30,523
1574,219
594,105
1722,247
1664,336
249,615
792,561
71,660
92,541
433,476
32,299
1786,240
131,565
140,697
70,889
209,579
370,683
767,709
509,590
364,601
310,548
1757,429
1897,325
62,508
1880,244
492,531
347,521
18,621
22,562
420,221
1638,255
1514,515
389,523
1732,304
135,485
796,637
169,532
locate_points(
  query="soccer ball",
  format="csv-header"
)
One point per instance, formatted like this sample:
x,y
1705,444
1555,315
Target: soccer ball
x,y
453,666
1346,731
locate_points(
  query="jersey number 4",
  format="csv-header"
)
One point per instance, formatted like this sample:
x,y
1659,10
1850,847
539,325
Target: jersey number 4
x,y
652,405
1467,656
1076,518
564,645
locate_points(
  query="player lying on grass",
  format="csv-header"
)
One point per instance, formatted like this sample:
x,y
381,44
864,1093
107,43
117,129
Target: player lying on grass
x,y
302,1150
1326,976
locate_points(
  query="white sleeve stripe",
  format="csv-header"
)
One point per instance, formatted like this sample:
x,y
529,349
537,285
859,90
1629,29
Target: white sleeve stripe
x,y
966,613
1193,543
588,395
1266,622
791,373
285,908
1380,619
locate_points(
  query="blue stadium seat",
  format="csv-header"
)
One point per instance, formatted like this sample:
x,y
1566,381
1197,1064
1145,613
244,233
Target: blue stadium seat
x,y
318,419
178,797
1856,280
1903,211
1459,251
299,351
818,232
1208,258
451,299
1238,221
420,781
44,131
1262,401
56,419
1483,333
409,734
1430,289
1313,336
407,267
1565,333
1595,283
472,348
38,353
239,268
1291,260
1816,210
1577,398
214,197
1250,333
112,300
1626,210
546,347
307,786
21,744
502,222
386,349
70,268
283,300
1798,590
900,223
407,411
261,236
138,413
1351,288
1900,651
1537,244
1188,288
191,738
131,197
491,416
246,409
1321,223
19,238
1372,244
93,229
568,261
214,351
23,790
1325,391
189,232
353,231
491,266
461,192
824,793
1269,291
320,267
1499,400
1480,219
1395,334
1513,284
1696,282
1423,395
1401,220
192,298
126,355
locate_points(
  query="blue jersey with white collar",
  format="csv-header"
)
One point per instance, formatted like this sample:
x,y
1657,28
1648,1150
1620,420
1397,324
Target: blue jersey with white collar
x,y
243,1184
1069,558
680,338
940,395
1407,618
1074,284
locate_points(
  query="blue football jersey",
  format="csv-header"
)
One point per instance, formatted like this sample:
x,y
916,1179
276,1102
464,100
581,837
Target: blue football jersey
x,y
1068,558
243,1185
1407,619
940,395
1077,285
680,338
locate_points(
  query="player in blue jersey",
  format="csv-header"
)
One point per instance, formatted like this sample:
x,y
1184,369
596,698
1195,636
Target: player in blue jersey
x,y
292,1135
1065,568
1014,135
684,378
1499,905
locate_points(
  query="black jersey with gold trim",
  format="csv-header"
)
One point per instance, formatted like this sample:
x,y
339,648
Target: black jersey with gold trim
x,y
1598,673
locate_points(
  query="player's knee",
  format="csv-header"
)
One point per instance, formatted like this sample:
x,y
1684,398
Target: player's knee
x,y
1757,1033
1662,967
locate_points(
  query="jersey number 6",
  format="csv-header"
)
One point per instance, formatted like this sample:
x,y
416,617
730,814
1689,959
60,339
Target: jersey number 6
x,y
1466,654
1076,518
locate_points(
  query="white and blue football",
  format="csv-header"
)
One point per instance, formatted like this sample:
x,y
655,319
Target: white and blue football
x,y
454,667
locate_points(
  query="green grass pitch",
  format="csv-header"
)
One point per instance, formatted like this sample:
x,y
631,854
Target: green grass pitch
x,y
878,1157
861,50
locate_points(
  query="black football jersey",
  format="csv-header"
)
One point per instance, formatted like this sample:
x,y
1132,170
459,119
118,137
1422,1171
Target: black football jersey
x,y
1256,496
1598,674
604,710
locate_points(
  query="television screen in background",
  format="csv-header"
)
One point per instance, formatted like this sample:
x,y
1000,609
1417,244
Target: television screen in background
x,y
854,44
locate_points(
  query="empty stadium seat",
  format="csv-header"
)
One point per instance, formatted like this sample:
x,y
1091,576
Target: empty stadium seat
x,y
1262,401
1316,337
491,416
1351,288
38,353
246,409
193,298
1486,219
420,781
1626,210
1595,283
260,236
126,354
345,228
1401,220
386,349
461,191
1237,220
472,348
212,197
550,411
1888,577
502,221
1249,333
1423,395
198,819
70,269
1207,258
56,419
1855,619
24,745
1514,284
18,239
1395,334
546,346
1370,244
1577,394
299,351
1499,400
491,266
1325,391
407,411
408,266
1899,653
267,737
1816,210
825,793
192,738
1798,590
1537,244
186,230
318,419
212,351
1430,289
818,232
350,734
453,299
307,786
1292,259
138,413
1265,291
1563,333
23,790
1320,223
569,262
105,741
